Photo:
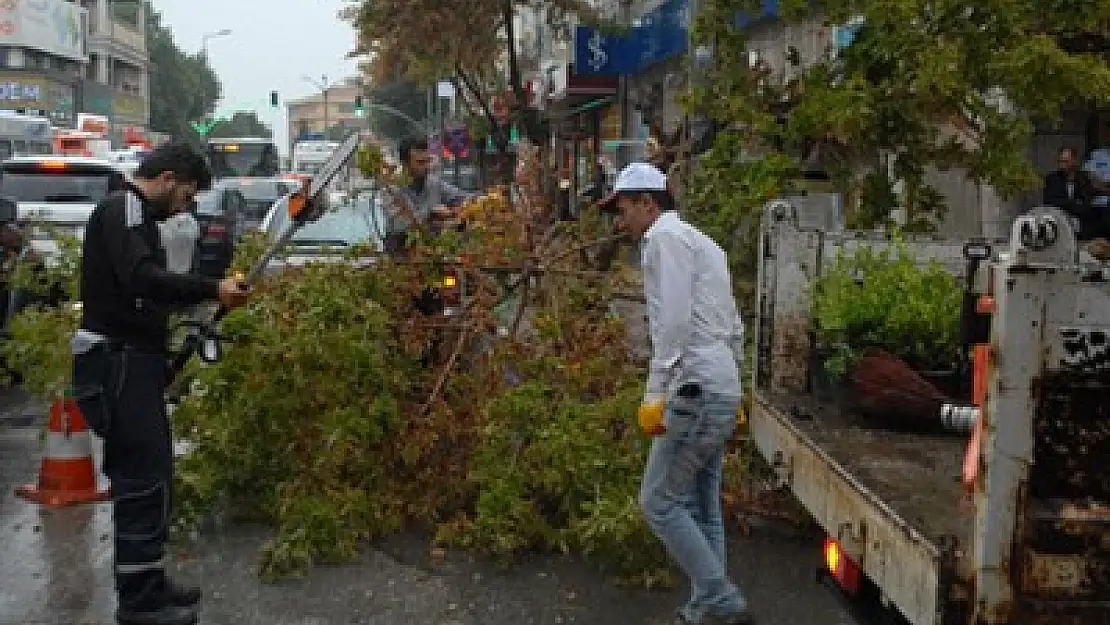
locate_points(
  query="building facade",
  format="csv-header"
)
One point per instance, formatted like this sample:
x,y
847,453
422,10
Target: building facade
x,y
59,58
43,53
329,114
117,79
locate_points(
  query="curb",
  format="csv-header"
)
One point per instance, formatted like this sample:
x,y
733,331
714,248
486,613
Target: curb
x,y
26,412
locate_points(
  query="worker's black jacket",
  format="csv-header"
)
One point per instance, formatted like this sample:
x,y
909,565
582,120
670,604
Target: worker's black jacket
x,y
126,292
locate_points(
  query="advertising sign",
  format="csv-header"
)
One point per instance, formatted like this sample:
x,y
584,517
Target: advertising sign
x,y
35,92
54,26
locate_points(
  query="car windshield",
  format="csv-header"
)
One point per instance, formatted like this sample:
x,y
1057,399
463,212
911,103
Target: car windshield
x,y
258,195
351,223
77,186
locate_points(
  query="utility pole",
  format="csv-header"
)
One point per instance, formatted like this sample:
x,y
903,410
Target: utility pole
x,y
323,86
224,32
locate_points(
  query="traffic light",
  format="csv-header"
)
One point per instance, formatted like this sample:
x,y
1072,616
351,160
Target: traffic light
x,y
359,110
273,99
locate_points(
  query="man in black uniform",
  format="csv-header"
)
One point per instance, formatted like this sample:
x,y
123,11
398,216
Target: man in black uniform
x,y
120,369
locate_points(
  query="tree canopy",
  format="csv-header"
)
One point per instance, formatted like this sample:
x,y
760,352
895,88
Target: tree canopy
x,y
402,95
184,89
466,41
241,124
924,83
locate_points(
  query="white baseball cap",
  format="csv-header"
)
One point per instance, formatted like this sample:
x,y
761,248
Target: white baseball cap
x,y
636,177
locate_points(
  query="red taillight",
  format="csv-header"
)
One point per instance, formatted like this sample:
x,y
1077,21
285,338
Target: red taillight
x,y
841,568
218,231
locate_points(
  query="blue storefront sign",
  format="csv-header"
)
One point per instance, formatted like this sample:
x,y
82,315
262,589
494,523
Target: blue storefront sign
x,y
661,34
767,9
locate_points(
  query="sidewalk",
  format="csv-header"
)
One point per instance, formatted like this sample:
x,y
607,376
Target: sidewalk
x,y
56,571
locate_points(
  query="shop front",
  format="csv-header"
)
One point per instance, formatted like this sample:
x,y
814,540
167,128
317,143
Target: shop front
x,y
38,94
584,114
128,110
97,98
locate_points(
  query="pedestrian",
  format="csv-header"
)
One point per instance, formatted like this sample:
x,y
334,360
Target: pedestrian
x,y
692,396
120,369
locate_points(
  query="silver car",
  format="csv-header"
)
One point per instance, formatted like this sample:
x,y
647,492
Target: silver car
x,y
348,222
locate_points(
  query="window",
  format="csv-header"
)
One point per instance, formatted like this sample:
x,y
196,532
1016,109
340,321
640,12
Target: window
x,y
31,183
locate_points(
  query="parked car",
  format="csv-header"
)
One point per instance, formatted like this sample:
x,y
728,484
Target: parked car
x,y
221,216
52,194
348,222
56,191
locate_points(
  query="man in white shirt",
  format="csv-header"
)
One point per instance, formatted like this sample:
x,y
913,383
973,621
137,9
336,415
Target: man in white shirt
x,y
693,388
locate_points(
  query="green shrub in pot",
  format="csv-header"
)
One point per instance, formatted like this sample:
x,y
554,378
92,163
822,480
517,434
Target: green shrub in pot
x,y
886,298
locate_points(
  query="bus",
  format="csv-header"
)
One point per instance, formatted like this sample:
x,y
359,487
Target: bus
x,y
22,135
243,158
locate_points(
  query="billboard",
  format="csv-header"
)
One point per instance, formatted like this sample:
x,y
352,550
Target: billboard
x,y
54,26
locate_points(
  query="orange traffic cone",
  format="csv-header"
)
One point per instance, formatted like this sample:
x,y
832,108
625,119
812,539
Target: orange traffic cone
x,y
67,475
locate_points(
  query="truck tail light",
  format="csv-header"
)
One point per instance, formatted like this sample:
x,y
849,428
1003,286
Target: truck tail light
x,y
841,568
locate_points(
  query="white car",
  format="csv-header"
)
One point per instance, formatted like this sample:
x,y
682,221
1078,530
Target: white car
x,y
56,191
348,221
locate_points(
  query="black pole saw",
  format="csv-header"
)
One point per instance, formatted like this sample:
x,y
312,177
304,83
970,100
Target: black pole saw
x,y
304,206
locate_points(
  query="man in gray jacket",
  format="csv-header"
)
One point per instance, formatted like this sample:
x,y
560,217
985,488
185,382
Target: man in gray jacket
x,y
426,199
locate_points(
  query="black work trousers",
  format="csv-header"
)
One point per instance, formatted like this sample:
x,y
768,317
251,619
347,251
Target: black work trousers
x,y
120,391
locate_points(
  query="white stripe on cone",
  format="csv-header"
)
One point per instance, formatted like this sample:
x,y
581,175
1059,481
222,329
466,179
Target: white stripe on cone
x,y
74,446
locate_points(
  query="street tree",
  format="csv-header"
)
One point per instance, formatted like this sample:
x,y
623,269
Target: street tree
x,y
241,124
184,89
468,42
944,84
401,95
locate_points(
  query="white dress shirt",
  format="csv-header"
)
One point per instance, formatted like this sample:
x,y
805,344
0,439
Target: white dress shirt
x,y
691,312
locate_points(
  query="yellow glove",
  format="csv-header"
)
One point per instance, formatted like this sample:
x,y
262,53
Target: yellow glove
x,y
650,415
741,415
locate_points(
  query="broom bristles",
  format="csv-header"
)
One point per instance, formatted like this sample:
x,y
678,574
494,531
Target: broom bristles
x,y
887,387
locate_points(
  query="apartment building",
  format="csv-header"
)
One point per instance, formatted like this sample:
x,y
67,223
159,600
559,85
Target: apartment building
x,y
327,114
117,82
42,58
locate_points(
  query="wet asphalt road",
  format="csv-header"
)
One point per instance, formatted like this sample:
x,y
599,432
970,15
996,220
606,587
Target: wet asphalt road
x,y
54,570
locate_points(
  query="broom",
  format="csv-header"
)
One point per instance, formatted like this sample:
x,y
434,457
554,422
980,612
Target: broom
x,y
889,389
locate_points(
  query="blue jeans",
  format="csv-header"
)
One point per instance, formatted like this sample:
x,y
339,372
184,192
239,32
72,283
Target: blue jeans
x,y
681,498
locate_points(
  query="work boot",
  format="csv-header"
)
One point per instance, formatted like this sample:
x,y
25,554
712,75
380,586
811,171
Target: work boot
x,y
181,594
168,615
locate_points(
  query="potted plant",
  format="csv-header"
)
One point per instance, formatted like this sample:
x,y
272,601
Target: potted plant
x,y
886,298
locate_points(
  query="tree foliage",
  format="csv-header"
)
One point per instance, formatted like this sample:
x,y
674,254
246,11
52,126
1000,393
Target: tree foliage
x,y
404,96
184,89
937,83
468,42
339,414
241,124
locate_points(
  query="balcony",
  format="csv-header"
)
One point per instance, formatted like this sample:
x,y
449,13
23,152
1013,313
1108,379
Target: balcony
x,y
128,35
118,39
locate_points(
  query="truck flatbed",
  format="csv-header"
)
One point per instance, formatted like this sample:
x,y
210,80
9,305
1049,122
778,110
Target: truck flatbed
x,y
917,475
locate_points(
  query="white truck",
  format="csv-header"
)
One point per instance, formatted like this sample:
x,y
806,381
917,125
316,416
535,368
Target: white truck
x,y
1031,544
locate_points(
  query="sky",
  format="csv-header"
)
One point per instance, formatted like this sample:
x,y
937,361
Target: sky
x,y
273,44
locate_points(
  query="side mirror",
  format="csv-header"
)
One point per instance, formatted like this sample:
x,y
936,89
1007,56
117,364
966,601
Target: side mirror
x,y
210,349
7,210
